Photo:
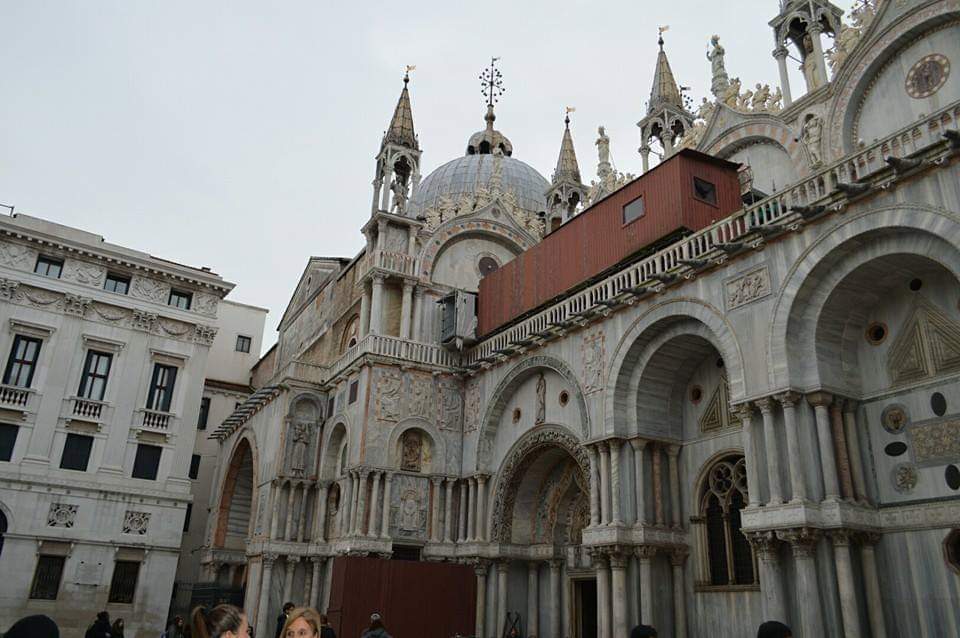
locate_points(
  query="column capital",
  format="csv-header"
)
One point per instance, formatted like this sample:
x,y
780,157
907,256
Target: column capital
x,y
815,29
615,444
850,406
678,556
638,444
868,538
765,544
408,285
533,565
556,563
618,559
817,399
382,223
482,479
437,480
364,472
502,564
788,399
292,558
599,556
673,450
781,52
270,558
418,291
602,446
317,559
480,566
803,540
842,537
765,405
379,278
743,411
646,552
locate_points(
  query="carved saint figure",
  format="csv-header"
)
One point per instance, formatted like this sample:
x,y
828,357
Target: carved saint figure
x,y
716,56
411,451
705,112
603,146
732,94
301,440
809,64
399,190
409,513
776,101
760,97
810,136
541,399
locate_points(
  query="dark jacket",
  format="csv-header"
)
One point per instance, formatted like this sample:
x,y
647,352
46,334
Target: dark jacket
x,y
379,632
34,627
99,629
327,632
281,621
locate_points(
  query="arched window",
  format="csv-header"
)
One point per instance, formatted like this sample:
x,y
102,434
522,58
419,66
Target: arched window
x,y
3,529
729,557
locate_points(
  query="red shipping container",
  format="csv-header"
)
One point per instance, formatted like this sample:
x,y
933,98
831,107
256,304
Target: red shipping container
x,y
685,193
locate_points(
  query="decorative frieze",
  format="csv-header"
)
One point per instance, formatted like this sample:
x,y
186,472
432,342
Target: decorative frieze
x,y
150,289
136,523
936,442
747,288
62,515
905,477
84,273
76,305
204,335
143,320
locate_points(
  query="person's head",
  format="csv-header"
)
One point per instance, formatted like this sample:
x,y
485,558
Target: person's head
x,y
33,627
222,621
324,620
774,629
178,621
302,622
288,607
643,631
103,616
376,621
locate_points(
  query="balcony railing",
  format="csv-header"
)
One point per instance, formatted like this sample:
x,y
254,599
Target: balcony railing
x,y
393,347
653,272
399,263
89,409
303,371
15,397
156,420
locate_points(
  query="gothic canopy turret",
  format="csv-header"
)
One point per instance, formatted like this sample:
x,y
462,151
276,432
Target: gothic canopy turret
x,y
667,119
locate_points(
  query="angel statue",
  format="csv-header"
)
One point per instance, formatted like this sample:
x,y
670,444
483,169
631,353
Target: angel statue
x,y
720,78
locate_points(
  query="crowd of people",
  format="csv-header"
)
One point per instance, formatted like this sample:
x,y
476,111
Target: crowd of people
x,y
227,621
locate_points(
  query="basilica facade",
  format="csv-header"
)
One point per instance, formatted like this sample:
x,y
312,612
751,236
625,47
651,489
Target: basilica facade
x,y
755,420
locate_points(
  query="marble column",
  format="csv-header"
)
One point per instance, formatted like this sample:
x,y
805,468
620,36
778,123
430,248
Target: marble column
x,y
373,529
798,488
780,53
291,562
673,451
658,484
274,510
448,511
846,584
263,609
853,445
749,436
638,446
481,571
645,554
417,334
314,600
618,594
871,583
471,510
483,533
304,500
354,502
604,450
773,458
364,312
594,487
604,612
327,584
346,505
288,522
376,304
385,201
533,599
320,520
677,559
645,157
828,462
803,542
502,570
307,591
362,502
556,599
615,496
840,448
405,309
385,518
435,481
773,600
462,517
821,68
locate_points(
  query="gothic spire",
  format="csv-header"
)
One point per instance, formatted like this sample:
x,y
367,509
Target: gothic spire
x,y
567,167
401,130
665,90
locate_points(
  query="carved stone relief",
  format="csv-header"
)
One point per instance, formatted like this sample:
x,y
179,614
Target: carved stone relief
x,y
592,355
748,287
261,512
420,400
451,406
905,477
411,451
205,304
136,522
927,344
62,515
409,507
894,418
471,410
935,442
84,273
17,256
541,413
150,289
389,383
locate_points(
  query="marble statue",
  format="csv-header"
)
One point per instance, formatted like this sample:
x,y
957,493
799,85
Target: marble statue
x,y
301,440
761,97
810,135
732,94
705,112
720,79
603,146
775,104
399,191
809,64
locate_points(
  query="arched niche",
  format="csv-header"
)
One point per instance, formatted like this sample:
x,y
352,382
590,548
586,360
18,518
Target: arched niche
x,y
302,435
234,515
416,446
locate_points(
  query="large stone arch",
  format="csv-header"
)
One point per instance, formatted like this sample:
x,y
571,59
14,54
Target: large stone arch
x,y
515,463
913,229
657,324
504,390
238,491
763,129
858,73
459,226
436,441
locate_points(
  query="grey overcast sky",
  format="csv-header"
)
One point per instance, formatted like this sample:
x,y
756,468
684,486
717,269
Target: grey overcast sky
x,y
240,134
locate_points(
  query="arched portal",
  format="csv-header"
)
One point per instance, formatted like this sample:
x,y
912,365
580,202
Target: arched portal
x,y
236,501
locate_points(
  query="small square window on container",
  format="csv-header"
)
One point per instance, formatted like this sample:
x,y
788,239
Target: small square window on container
x,y
705,191
633,210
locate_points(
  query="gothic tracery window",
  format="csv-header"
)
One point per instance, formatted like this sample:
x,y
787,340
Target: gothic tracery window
x,y
729,557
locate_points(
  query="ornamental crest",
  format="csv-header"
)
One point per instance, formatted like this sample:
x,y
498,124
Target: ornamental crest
x,y
62,515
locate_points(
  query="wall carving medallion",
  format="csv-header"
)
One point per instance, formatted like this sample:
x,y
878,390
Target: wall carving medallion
x,y
62,515
84,273
205,304
136,522
894,418
8,288
451,405
420,397
592,355
927,76
747,288
17,256
935,442
905,477
389,383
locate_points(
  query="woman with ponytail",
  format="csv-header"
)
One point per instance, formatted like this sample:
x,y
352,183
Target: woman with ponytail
x,y
222,621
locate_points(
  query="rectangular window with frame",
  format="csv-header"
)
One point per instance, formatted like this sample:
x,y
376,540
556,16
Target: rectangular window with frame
x,y
633,210
705,191
194,466
117,283
8,439
161,387
76,452
22,362
96,369
46,579
147,462
48,267
243,343
180,299
123,585
354,387
204,413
